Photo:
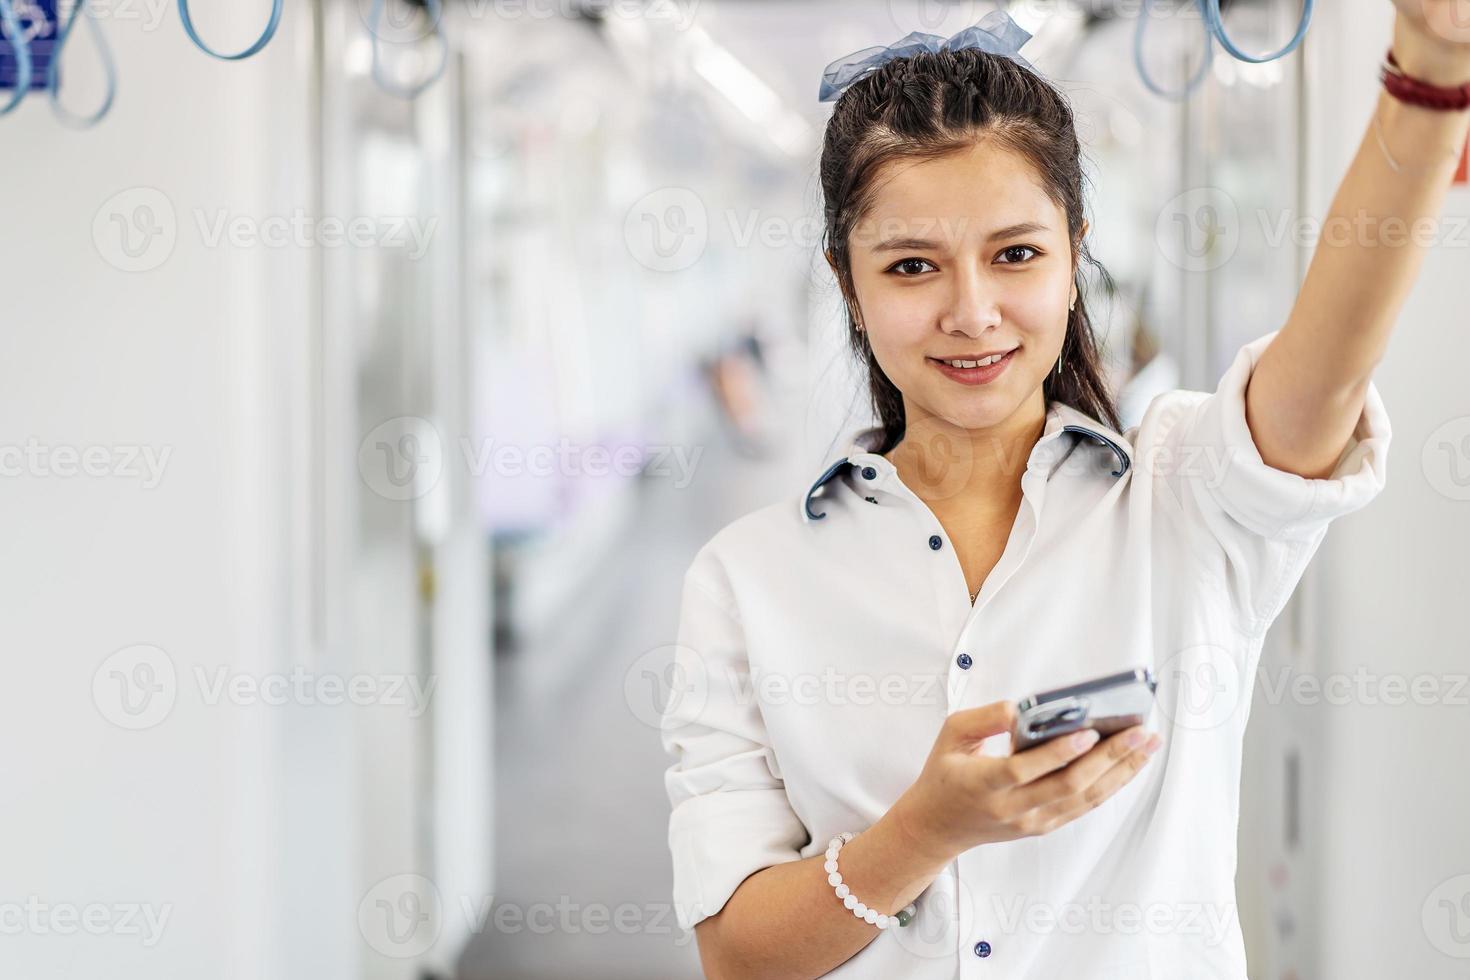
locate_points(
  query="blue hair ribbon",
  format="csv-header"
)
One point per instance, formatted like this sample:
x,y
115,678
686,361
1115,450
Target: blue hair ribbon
x,y
996,33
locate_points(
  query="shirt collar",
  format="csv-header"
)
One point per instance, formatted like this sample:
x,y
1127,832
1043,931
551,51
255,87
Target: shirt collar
x,y
1062,422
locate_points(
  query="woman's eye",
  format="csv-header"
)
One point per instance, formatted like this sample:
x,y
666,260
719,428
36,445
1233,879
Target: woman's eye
x,y
910,267
1019,248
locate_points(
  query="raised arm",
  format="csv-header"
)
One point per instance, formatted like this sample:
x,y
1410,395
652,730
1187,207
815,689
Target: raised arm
x,y
1307,392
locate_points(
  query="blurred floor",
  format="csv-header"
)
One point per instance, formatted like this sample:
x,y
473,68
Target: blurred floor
x,y
582,813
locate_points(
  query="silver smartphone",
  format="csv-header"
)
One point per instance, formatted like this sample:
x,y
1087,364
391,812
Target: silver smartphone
x,y
1108,704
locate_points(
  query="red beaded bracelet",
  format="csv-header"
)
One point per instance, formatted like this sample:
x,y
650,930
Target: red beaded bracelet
x,y
1419,93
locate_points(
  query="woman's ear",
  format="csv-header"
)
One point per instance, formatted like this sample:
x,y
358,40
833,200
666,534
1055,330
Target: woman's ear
x,y
851,306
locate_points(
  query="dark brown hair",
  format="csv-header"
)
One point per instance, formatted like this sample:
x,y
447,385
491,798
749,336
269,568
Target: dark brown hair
x,y
928,105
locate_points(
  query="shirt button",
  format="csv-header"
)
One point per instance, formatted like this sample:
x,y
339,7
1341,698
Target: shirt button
x,y
935,541
964,661
869,473
982,949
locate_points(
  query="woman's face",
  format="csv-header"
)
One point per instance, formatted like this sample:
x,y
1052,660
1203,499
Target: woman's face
x,y
961,257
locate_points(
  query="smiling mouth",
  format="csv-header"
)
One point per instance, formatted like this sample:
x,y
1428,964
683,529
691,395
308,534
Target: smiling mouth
x,y
979,360
974,371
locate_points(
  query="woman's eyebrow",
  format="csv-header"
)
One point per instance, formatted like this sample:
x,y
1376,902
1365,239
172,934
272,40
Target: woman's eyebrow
x,y
905,245
1024,228
920,244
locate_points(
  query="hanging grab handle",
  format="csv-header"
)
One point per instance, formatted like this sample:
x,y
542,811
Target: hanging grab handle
x,y
436,15
1214,31
1207,59
22,49
1217,28
260,42
109,70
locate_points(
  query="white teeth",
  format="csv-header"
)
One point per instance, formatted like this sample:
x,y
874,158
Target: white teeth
x,y
980,363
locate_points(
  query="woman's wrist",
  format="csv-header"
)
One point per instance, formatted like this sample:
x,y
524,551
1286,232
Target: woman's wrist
x,y
910,827
885,868
1429,58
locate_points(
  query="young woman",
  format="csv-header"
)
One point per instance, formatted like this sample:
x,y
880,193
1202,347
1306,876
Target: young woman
x,y
845,798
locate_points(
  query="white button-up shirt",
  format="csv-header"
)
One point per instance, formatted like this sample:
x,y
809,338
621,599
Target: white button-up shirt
x,y
823,641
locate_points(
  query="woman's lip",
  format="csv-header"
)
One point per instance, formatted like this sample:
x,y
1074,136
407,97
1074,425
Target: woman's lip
x,y
975,375
971,357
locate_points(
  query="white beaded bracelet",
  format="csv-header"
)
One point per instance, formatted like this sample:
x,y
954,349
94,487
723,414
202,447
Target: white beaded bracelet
x,y
849,900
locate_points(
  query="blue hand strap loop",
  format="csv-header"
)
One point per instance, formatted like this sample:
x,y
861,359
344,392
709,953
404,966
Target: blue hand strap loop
x,y
1217,28
260,42
109,70
436,15
1214,31
1207,59
22,49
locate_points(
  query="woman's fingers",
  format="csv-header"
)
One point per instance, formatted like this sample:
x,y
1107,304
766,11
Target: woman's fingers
x,y
1048,818
969,726
1112,757
1033,764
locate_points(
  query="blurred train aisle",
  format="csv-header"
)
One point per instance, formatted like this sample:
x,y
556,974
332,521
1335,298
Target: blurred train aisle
x,y
582,817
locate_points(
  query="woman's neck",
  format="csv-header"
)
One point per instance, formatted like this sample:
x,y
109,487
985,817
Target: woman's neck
x,y
950,467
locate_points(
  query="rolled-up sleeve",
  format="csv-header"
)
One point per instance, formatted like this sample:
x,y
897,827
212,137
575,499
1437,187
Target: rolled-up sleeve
x,y
1269,521
730,817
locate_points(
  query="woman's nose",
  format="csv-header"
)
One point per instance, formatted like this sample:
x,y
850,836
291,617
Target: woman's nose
x,y
971,306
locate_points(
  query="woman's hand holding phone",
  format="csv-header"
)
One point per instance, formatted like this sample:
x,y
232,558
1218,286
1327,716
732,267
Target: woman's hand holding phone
x,y
963,799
